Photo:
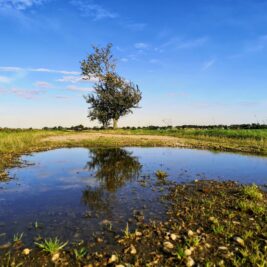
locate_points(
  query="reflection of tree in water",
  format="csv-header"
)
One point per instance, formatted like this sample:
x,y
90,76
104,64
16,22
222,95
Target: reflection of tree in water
x,y
113,168
96,198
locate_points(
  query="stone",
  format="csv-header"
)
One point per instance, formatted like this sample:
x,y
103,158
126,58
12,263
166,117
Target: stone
x,y
168,245
187,252
222,248
173,237
239,240
55,257
133,250
190,233
112,259
26,251
189,262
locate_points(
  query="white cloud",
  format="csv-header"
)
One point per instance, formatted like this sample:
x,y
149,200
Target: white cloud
x,y
18,69
28,94
42,84
208,64
90,9
4,79
141,45
76,79
19,4
80,89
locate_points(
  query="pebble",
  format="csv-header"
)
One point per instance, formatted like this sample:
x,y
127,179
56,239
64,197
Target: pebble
x,y
133,250
173,237
26,251
112,259
190,233
222,248
187,252
168,245
55,257
189,262
239,240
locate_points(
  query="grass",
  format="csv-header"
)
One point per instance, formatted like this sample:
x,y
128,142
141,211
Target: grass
x,y
17,237
161,174
253,192
51,246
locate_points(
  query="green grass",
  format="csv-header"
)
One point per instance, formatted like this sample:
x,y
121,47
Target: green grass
x,y
51,246
253,192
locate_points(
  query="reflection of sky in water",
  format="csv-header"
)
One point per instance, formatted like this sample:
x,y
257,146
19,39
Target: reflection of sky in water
x,y
66,168
59,186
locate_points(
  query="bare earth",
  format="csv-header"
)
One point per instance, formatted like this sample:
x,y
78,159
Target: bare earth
x,y
120,139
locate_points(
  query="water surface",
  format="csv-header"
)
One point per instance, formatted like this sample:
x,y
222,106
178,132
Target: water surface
x,y
72,193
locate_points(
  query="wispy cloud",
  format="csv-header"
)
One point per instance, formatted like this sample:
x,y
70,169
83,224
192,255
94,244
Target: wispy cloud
x,y
141,45
80,89
19,4
75,79
18,69
208,64
43,84
90,9
179,43
27,94
4,79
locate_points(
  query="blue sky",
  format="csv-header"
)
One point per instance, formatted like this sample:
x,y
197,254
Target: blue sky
x,y
196,61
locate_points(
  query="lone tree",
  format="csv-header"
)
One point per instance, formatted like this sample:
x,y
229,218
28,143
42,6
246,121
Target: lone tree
x,y
113,96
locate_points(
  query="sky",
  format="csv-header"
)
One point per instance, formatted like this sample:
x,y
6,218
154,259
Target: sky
x,y
195,61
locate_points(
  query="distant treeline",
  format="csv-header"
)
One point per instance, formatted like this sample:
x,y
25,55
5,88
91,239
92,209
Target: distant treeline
x,y
153,127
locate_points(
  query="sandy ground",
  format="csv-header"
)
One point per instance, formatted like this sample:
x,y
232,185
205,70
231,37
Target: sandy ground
x,y
167,140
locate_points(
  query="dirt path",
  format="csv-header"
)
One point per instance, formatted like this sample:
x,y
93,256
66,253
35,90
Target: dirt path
x,y
120,138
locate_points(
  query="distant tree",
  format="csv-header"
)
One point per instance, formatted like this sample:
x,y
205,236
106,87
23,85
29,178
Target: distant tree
x,y
113,96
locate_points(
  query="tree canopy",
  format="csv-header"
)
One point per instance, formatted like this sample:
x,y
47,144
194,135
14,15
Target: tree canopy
x,y
113,96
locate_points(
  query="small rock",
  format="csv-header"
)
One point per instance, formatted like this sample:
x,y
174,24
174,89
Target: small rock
x,y
138,233
239,240
187,252
168,245
112,259
222,248
133,250
207,245
190,233
99,240
26,251
189,262
119,265
55,257
173,237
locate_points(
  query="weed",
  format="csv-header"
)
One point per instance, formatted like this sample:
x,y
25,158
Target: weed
x,y
180,252
252,192
51,246
17,237
79,254
161,174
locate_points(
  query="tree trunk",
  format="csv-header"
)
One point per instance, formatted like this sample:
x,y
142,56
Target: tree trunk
x,y
115,124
